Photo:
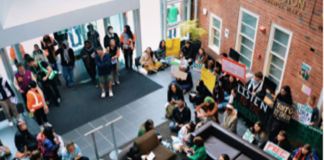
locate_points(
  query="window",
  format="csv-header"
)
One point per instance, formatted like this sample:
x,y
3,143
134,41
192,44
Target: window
x,y
247,30
215,30
277,52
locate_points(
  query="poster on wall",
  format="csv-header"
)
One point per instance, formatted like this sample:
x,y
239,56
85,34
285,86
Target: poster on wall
x,y
303,113
276,151
283,111
304,71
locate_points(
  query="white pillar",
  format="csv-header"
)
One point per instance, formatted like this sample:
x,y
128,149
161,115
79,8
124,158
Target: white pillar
x,y
138,33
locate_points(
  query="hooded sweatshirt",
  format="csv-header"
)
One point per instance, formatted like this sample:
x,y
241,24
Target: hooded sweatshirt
x,y
86,54
230,121
109,37
23,138
67,54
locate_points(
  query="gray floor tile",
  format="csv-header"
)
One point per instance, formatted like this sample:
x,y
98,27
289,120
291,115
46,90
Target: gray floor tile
x,y
138,122
84,128
98,122
88,151
106,131
81,142
111,116
71,136
131,117
98,137
136,105
125,110
104,146
120,138
129,131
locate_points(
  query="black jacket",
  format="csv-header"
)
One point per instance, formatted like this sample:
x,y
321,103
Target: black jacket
x,y
5,90
22,139
71,56
284,145
107,40
183,117
260,94
85,55
187,52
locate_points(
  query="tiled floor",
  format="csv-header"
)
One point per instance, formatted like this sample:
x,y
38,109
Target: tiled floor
x,y
134,114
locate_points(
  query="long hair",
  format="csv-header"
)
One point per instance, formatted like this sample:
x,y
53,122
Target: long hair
x,y
147,125
225,157
48,132
219,90
288,96
129,32
309,149
263,129
285,141
178,88
151,52
204,53
160,45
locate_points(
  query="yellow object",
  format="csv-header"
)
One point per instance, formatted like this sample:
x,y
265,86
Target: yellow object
x,y
208,78
172,47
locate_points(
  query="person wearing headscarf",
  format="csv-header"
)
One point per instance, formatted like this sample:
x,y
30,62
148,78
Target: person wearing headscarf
x,y
111,35
275,125
208,110
93,36
127,43
198,96
67,62
230,118
87,55
38,54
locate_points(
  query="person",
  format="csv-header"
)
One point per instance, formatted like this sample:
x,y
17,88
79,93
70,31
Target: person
x,y
67,62
183,61
187,51
230,118
184,136
87,55
13,53
114,54
282,141
60,37
148,61
38,54
255,85
198,96
302,153
103,63
47,77
181,115
275,125
133,154
218,96
72,152
198,150
211,65
260,134
111,35
145,127
160,54
48,45
201,57
175,94
127,42
36,155
5,150
186,84
6,94
315,115
224,157
208,110
25,142
93,36
48,144
36,104
228,83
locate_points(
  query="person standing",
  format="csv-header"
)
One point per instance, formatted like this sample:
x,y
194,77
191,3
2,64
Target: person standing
x,y
255,85
114,54
103,62
67,63
111,35
13,53
127,42
38,54
172,18
88,54
60,37
47,77
93,36
48,45
315,115
6,93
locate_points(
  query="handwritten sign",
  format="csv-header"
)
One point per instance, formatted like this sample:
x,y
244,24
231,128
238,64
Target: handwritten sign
x,y
180,74
303,113
233,68
276,151
174,68
197,66
283,111
248,136
172,47
208,78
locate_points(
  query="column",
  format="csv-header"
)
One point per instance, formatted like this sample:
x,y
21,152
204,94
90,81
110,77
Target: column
x,y
124,18
138,33
18,53
106,24
122,22
163,19
196,8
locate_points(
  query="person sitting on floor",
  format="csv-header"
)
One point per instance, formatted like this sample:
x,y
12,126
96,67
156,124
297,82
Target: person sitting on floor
x,y
302,153
282,141
211,65
230,118
5,150
160,54
260,134
255,85
36,155
134,154
201,57
175,94
228,84
148,61
48,144
218,96
72,152
183,61
187,51
186,84
207,111
25,142
198,150
184,136
145,127
198,96
181,115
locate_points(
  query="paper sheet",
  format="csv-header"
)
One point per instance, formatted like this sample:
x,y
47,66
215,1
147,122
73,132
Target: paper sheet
x,y
180,74
151,156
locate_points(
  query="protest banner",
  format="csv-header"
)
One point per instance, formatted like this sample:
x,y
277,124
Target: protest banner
x,y
300,134
174,65
172,47
303,113
197,66
251,107
283,111
248,136
276,151
233,68
180,74
208,78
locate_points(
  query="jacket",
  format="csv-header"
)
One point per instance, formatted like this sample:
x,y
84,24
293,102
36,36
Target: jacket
x,y
260,94
183,117
230,121
71,56
297,153
200,153
93,38
34,101
13,53
160,53
108,38
141,131
187,52
40,56
284,145
86,55
50,55
5,90
103,64
131,43
22,139
178,95
147,58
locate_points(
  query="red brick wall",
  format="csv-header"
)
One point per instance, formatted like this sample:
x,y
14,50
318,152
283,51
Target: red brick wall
x,y
305,35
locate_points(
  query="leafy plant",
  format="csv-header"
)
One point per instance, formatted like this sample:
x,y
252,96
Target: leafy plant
x,y
191,28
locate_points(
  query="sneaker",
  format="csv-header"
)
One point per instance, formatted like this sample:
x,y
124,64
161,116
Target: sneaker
x,y
118,82
41,127
111,93
59,72
10,124
103,94
59,100
48,124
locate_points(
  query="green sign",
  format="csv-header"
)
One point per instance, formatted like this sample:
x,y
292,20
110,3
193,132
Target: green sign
x,y
197,66
248,136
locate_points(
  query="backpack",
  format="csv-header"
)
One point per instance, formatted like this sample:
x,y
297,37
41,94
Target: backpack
x,y
169,110
48,149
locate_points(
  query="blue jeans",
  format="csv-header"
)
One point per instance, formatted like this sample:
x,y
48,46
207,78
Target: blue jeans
x,y
227,96
173,127
222,105
54,66
174,33
68,75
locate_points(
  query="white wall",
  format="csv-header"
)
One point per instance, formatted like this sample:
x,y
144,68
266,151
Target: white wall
x,y
5,6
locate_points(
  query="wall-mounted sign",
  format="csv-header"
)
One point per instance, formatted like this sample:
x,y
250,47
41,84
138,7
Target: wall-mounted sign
x,y
294,5
226,33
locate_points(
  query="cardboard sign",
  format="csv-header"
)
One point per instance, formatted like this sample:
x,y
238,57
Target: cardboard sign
x,y
174,68
251,107
208,78
303,113
300,134
180,74
172,47
197,66
276,151
283,111
233,68
248,136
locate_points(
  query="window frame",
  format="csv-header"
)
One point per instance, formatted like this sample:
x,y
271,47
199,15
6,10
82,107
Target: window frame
x,y
240,34
211,34
269,53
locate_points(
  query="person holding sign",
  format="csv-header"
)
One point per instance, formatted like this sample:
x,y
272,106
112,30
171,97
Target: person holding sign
x,y
315,115
255,85
228,84
201,57
207,111
186,84
302,153
260,134
282,141
148,61
218,96
197,97
114,54
230,118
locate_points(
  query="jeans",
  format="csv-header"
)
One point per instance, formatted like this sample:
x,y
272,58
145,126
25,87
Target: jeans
x,y
222,105
227,96
174,33
54,66
128,55
173,127
68,75
114,73
92,71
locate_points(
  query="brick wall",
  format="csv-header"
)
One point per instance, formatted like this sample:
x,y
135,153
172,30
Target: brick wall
x,y
306,34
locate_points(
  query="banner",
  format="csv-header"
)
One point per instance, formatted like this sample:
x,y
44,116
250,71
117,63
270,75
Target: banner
x,y
248,136
276,151
197,66
233,68
208,78
172,47
300,134
251,107
303,113
283,111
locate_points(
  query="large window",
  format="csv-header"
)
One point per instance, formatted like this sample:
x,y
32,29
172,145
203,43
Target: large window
x,y
247,31
215,30
277,52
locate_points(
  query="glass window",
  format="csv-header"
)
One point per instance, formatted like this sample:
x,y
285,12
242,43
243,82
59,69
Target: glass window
x,y
279,49
217,23
248,31
215,28
277,61
216,42
281,37
246,52
244,61
247,42
249,20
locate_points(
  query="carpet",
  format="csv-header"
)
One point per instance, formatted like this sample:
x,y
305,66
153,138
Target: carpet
x,y
84,103
166,135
